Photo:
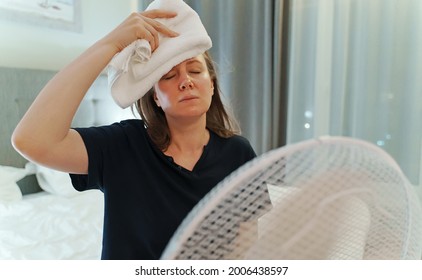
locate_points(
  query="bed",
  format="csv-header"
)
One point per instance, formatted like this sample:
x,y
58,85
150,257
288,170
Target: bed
x,y
41,215
45,226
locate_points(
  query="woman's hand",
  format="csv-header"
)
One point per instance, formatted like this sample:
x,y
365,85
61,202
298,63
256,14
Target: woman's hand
x,y
140,26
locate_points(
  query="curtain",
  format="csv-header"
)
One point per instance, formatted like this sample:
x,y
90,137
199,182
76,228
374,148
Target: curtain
x,y
355,69
246,37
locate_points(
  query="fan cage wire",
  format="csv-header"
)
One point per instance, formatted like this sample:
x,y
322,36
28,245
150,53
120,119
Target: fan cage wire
x,y
249,170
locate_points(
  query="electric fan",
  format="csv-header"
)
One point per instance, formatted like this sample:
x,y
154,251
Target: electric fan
x,y
326,198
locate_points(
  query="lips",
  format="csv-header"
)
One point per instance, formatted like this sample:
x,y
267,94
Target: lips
x,y
187,98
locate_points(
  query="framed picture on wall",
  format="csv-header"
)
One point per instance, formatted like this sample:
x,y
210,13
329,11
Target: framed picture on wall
x,y
57,14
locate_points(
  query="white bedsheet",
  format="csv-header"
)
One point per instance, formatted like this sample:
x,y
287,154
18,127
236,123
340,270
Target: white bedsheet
x,y
49,227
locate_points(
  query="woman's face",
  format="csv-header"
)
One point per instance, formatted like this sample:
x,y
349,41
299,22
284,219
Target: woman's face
x,y
186,90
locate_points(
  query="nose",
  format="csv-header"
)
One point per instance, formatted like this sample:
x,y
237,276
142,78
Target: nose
x,y
186,84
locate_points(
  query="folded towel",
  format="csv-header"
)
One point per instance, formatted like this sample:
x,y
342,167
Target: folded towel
x,y
135,70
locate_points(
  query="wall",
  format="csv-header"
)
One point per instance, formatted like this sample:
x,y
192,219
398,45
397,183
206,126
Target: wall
x,y
24,45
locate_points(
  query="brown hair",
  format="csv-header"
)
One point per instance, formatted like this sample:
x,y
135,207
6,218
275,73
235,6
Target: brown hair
x,y
219,118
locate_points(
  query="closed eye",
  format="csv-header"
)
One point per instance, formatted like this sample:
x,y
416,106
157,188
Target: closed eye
x,y
195,70
168,77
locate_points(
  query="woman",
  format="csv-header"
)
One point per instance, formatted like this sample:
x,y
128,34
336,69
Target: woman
x,y
152,171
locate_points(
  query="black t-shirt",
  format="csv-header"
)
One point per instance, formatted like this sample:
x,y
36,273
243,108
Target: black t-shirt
x,y
146,194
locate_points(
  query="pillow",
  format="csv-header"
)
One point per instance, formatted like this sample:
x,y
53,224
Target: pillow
x,y
53,181
9,190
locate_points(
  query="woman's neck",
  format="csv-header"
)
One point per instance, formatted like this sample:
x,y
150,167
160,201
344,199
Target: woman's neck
x,y
187,143
187,137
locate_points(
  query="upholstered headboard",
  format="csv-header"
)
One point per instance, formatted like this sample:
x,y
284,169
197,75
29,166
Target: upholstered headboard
x,y
19,87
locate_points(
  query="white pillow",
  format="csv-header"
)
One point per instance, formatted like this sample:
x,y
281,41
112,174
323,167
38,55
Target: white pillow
x,y
9,190
53,181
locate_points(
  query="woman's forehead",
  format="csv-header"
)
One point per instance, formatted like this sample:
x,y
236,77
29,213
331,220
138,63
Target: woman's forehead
x,y
196,59
199,58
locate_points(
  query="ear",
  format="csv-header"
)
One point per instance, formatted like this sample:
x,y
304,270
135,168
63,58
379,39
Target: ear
x,y
156,100
155,96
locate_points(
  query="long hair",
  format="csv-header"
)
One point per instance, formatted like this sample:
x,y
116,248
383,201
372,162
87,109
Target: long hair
x,y
219,119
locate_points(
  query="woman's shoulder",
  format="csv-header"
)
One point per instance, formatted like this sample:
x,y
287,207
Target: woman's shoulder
x,y
118,131
136,123
234,144
240,139
126,126
234,140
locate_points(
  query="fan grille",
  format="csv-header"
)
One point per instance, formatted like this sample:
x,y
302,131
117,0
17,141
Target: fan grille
x,y
332,198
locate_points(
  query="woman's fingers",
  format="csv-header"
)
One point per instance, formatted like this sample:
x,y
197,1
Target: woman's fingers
x,y
150,18
153,27
141,26
158,14
152,37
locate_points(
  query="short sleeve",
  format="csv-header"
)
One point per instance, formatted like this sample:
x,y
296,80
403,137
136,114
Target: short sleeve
x,y
96,141
106,146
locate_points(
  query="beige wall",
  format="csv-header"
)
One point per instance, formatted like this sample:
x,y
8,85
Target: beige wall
x,y
24,45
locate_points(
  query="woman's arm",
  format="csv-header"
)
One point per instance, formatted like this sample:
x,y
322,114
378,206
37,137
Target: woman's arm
x,y
44,134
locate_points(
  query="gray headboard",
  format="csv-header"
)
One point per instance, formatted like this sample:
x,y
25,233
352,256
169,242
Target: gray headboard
x,y
19,87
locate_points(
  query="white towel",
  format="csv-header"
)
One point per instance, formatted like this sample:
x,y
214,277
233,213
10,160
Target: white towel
x,y
134,70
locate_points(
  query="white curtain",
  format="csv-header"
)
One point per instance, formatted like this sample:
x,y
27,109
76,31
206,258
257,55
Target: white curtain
x,y
355,69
